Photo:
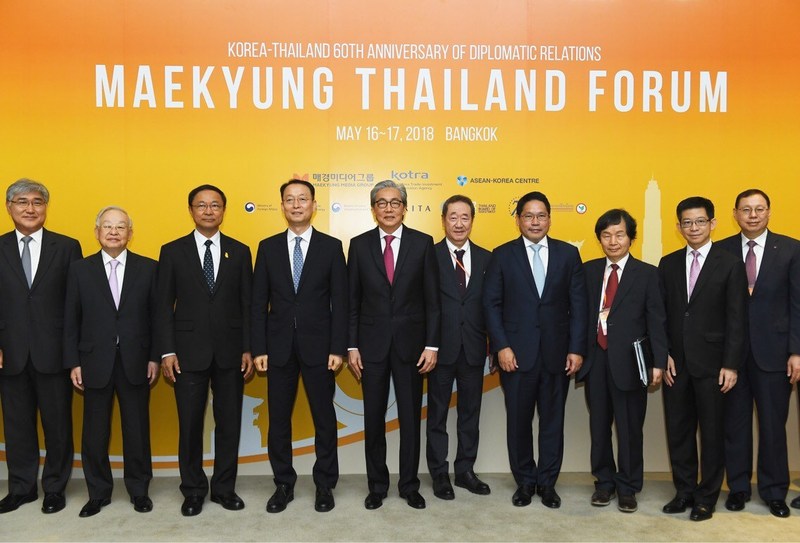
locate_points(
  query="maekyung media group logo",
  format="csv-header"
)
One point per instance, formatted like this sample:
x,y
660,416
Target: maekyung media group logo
x,y
462,180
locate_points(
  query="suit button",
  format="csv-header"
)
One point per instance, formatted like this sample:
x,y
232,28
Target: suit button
x,y
686,314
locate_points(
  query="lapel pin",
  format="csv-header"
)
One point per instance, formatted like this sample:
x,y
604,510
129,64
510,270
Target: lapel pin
x,y
226,254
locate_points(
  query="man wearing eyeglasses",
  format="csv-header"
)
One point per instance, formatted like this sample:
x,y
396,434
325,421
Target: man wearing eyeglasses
x,y
772,357
33,280
394,332
534,296
705,294
203,325
109,349
299,327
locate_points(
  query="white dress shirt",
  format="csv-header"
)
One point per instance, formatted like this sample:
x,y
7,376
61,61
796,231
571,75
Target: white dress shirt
x,y
200,240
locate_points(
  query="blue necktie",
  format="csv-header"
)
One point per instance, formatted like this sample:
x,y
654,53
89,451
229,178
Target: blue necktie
x,y
538,268
297,263
208,266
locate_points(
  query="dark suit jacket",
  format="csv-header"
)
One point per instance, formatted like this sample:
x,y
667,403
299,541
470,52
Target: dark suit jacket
x,y
774,306
92,323
32,321
405,313
317,312
637,311
517,317
706,333
463,324
197,325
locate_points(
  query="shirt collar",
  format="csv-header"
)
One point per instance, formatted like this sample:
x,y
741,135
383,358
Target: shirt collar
x,y
122,258
200,239
37,236
305,236
453,248
702,250
622,262
529,243
397,233
761,240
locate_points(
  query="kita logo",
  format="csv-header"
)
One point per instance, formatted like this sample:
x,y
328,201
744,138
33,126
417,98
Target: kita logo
x,y
336,207
462,180
249,207
580,208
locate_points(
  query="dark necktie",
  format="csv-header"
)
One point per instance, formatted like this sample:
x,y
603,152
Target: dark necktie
x,y
750,265
26,260
208,266
461,273
388,258
608,299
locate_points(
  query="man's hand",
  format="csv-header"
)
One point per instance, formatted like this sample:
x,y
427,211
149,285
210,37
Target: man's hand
x,y
427,361
507,360
76,377
335,362
152,372
354,361
261,362
669,375
655,377
574,363
247,365
727,378
170,367
493,367
792,367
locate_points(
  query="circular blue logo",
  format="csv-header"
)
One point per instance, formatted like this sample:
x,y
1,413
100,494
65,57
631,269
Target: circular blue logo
x,y
462,180
336,207
249,207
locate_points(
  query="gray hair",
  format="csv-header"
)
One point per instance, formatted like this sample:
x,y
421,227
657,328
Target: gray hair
x,y
388,184
24,186
112,208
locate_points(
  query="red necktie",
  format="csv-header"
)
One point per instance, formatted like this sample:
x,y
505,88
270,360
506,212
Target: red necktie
x,y
388,258
608,299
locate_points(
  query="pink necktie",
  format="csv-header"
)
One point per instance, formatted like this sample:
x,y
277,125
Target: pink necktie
x,y
694,271
750,265
113,283
388,258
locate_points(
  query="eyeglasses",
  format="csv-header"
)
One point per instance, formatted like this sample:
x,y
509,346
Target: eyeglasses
x,y
117,227
760,210
528,217
213,206
291,200
699,223
395,204
23,203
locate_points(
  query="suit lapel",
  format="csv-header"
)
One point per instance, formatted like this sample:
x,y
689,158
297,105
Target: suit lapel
x,y
595,281
11,252
520,252
405,243
130,277
45,258
193,261
626,282
99,277
768,258
283,260
225,248
311,258
706,272
377,254
446,264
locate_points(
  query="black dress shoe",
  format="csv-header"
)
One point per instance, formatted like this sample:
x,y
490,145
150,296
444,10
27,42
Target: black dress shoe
x,y
627,503
324,500
736,501
701,511
778,508
53,502
442,488
523,495
192,505
677,505
374,500
93,507
414,499
550,497
470,481
142,504
796,502
280,498
230,501
13,501
602,497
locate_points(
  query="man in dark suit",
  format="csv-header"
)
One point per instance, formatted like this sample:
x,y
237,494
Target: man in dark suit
x,y
300,327
109,347
462,351
705,293
534,295
772,357
33,280
625,305
394,331
204,294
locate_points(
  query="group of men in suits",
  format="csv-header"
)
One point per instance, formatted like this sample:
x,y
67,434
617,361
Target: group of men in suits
x,y
401,308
